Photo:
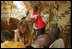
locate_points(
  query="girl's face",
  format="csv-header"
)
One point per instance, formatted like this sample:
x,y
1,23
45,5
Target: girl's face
x,y
22,29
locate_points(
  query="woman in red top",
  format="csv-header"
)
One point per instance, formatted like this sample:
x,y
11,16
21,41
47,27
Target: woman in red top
x,y
39,22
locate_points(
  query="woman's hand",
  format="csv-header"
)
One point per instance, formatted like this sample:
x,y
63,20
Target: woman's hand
x,y
28,44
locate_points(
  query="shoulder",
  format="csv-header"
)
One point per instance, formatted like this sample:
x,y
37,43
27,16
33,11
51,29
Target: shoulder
x,y
36,13
60,40
59,43
39,17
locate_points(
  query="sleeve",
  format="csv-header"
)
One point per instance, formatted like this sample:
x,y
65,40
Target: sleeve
x,y
35,19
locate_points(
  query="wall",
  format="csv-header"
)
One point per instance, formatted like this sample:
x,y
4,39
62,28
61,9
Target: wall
x,y
58,11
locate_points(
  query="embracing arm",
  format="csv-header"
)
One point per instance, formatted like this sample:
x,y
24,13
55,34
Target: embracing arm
x,y
16,37
30,40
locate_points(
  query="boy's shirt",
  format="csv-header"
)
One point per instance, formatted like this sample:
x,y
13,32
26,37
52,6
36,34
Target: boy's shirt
x,y
38,20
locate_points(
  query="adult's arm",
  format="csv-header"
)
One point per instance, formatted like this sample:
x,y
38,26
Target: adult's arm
x,y
16,37
30,39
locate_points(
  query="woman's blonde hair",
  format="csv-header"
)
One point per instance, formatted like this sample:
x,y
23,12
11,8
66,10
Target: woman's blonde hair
x,y
24,23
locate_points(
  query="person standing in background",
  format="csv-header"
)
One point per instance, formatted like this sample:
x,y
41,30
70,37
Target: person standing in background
x,y
38,21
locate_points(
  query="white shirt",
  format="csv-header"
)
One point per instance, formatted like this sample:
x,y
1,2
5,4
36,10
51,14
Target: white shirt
x,y
59,43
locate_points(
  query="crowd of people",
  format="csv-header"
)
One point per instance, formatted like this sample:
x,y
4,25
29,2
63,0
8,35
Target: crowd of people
x,y
24,34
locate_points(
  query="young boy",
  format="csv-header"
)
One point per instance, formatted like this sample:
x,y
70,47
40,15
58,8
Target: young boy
x,y
39,22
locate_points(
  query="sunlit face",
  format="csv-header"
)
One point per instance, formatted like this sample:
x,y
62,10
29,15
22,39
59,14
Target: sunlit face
x,y
22,29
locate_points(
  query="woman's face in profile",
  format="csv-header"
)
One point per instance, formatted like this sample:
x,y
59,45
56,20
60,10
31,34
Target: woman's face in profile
x,y
22,29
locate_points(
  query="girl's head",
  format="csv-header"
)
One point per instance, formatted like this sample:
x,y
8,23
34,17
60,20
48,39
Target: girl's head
x,y
23,26
24,29
35,8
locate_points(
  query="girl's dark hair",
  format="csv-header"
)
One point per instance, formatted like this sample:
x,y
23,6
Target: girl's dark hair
x,y
36,7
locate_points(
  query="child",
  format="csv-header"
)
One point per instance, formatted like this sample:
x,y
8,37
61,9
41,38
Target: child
x,y
39,22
